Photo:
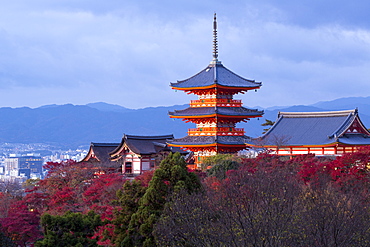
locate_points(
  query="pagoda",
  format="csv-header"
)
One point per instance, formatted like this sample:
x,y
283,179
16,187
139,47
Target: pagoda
x,y
215,112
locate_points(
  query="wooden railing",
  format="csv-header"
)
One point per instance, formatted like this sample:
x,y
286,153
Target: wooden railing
x,y
216,102
220,131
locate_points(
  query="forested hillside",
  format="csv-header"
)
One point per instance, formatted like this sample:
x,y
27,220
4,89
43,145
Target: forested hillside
x,y
74,125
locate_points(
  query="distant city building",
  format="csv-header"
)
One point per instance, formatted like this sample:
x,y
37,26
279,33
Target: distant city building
x,y
29,166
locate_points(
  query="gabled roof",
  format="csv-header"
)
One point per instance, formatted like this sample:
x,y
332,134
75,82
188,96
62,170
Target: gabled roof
x,y
214,75
316,129
99,152
213,111
144,145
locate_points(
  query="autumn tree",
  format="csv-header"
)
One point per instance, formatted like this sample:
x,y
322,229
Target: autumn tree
x,y
6,201
21,224
115,230
11,188
68,186
329,217
267,201
101,192
247,208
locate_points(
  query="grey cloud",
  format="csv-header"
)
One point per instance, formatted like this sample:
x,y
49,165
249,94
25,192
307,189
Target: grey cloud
x,y
128,52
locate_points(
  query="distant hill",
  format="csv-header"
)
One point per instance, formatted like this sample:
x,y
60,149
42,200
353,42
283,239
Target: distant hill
x,y
109,107
74,125
81,124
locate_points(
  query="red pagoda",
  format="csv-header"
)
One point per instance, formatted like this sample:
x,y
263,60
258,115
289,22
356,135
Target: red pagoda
x,y
215,113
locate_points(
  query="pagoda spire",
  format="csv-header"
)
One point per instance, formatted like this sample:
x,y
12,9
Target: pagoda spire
x,y
215,44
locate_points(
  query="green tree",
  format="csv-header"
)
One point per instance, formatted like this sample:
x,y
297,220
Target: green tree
x,y
70,229
128,198
171,176
220,164
267,123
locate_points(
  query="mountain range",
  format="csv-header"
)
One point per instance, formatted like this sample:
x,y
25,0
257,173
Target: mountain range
x,y
76,125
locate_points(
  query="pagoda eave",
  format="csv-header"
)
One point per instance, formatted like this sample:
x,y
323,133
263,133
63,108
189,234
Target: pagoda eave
x,y
215,88
229,117
184,145
210,147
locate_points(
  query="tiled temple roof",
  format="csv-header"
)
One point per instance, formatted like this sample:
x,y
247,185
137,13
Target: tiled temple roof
x,y
228,111
145,145
207,140
216,74
315,129
99,152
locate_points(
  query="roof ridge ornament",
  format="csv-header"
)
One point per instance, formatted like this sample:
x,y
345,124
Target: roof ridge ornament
x,y
215,43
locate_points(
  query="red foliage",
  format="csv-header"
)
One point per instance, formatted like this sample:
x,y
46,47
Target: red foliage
x,y
145,177
22,224
6,201
101,192
62,201
213,183
103,189
104,234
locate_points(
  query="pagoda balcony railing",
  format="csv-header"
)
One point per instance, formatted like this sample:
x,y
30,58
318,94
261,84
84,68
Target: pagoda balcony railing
x,y
216,102
220,131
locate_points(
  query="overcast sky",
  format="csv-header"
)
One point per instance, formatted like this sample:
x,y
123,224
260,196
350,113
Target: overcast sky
x,y
127,52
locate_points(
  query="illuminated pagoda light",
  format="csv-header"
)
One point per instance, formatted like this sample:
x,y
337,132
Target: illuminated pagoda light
x,y
215,113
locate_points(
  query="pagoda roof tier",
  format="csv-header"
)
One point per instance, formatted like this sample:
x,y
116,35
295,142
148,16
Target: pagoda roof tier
x,y
206,141
210,112
216,76
315,129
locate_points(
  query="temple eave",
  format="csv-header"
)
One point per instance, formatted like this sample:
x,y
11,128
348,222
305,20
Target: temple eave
x,y
334,144
205,145
217,116
298,146
204,89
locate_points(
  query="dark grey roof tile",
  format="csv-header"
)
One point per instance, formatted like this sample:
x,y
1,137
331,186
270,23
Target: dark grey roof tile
x,y
309,128
216,74
230,111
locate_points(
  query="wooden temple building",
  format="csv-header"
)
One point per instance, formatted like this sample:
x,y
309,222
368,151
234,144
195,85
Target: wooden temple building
x,y
215,112
98,155
137,154
320,133
132,156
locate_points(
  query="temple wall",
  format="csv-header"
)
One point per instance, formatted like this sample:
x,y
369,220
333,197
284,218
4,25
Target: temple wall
x,y
145,165
136,167
316,150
